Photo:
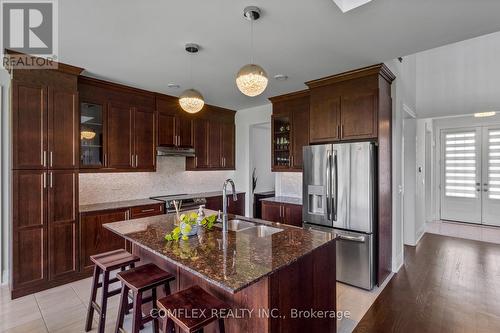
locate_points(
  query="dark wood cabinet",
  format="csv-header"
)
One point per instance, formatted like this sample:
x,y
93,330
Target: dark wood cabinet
x,y
95,238
175,127
290,130
45,148
344,108
282,213
144,139
324,116
228,141
147,210
358,114
125,125
120,136
29,125
62,188
234,207
29,216
214,144
63,129
184,127
201,161
214,140
272,211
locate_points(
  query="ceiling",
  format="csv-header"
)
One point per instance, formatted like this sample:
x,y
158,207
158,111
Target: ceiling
x,y
461,78
141,43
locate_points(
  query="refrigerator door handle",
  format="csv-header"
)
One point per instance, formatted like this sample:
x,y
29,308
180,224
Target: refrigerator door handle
x,y
328,185
335,187
360,239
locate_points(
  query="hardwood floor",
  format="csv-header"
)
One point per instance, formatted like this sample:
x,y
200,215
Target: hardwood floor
x,y
446,285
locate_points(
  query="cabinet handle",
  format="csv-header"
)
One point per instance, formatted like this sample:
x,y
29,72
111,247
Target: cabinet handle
x,y
291,160
105,159
51,179
50,157
44,180
147,210
44,158
342,131
136,160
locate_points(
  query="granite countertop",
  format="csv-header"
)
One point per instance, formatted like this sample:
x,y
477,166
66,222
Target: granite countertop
x,y
117,205
141,202
284,200
243,261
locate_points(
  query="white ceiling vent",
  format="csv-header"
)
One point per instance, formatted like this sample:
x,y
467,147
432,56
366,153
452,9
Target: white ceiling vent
x,y
347,5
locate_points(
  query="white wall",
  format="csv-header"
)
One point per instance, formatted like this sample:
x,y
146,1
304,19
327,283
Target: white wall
x,y
170,178
403,98
260,153
460,78
244,119
5,167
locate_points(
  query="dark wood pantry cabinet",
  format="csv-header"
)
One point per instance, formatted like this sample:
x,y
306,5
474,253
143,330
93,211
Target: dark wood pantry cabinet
x,y
45,140
290,130
357,106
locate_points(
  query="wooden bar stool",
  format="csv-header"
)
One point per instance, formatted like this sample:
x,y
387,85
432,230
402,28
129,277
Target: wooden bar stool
x,y
139,280
104,264
191,310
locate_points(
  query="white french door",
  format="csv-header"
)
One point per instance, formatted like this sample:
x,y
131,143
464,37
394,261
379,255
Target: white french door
x,y
470,172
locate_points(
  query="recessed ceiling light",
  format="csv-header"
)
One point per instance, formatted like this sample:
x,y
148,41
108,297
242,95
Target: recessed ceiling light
x,y
173,85
281,77
347,5
485,114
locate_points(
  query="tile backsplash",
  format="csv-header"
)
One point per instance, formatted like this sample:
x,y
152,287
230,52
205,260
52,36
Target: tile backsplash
x,y
289,184
170,178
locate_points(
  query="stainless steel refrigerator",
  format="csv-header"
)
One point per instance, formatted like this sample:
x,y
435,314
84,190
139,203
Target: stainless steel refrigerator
x,y
339,193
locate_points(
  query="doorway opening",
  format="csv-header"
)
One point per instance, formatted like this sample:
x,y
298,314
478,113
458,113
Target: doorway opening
x,y
260,177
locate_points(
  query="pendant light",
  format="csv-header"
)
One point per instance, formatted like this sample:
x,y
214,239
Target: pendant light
x,y
251,79
191,100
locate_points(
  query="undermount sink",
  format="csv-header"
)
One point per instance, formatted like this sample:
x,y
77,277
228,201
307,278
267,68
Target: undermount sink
x,y
261,231
237,225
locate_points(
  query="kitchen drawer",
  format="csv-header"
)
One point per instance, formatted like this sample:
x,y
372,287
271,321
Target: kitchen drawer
x,y
147,210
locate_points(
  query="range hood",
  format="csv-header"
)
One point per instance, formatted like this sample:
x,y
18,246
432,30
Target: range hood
x,y
175,151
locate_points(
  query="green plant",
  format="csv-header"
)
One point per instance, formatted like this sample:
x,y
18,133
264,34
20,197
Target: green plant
x,y
186,225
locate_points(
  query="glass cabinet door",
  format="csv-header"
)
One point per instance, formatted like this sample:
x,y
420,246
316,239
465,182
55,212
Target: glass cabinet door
x,y
91,135
281,141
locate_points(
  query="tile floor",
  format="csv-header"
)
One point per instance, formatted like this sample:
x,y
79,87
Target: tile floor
x,y
464,230
63,309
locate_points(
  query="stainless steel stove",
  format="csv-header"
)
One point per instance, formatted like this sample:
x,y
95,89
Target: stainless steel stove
x,y
184,201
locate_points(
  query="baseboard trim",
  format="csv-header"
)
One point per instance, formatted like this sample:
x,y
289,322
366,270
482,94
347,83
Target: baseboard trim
x,y
421,233
398,263
5,278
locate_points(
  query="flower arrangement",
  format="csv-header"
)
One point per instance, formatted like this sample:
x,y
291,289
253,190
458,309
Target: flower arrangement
x,y
188,226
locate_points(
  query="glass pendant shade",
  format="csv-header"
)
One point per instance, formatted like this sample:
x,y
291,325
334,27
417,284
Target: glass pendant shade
x,y
191,101
252,80
87,134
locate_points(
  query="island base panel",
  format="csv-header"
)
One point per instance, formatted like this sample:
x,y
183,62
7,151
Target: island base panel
x,y
309,283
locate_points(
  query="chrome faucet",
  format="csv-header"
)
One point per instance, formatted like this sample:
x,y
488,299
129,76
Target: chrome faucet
x,y
224,202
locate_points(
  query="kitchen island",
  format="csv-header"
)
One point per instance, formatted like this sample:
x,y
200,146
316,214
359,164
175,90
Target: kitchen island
x,y
279,282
